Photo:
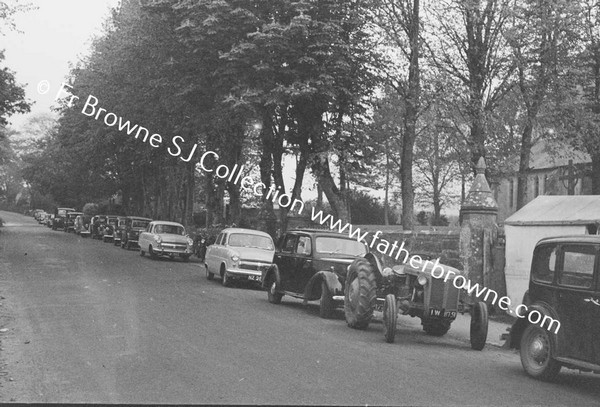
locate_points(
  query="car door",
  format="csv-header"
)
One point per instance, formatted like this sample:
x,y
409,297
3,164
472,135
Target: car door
x,y
143,239
575,300
303,265
211,253
285,260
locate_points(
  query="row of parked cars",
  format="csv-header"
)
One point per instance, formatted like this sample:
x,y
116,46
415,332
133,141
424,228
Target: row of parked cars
x,y
155,237
341,272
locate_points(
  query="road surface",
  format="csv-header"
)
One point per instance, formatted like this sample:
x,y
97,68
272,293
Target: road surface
x,y
85,321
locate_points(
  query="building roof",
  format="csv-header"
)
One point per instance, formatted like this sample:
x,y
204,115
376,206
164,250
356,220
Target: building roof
x,y
547,154
558,210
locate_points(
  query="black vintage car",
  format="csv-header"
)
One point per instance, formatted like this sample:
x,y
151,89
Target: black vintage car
x,y
59,218
69,221
131,230
312,265
559,321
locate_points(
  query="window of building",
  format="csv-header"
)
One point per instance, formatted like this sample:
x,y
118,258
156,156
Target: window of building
x,y
536,189
511,193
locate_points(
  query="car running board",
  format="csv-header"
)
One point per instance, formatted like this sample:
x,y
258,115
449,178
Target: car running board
x,y
578,364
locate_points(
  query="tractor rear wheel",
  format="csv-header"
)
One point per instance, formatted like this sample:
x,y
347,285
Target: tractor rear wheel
x,y
360,294
479,325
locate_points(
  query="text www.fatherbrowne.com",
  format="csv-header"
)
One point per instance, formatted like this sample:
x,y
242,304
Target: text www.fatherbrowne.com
x,y
437,271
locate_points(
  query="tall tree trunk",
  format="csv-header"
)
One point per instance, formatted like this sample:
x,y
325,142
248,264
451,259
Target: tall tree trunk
x,y
524,160
410,120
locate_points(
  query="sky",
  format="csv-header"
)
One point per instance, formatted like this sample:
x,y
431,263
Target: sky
x,y
52,37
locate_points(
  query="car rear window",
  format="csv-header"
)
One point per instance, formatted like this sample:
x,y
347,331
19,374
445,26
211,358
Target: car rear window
x,y
139,224
335,245
578,266
249,240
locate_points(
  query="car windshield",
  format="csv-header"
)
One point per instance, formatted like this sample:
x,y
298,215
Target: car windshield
x,y
170,229
249,240
139,224
335,245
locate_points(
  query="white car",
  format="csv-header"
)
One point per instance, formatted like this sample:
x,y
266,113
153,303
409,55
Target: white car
x,y
162,238
239,254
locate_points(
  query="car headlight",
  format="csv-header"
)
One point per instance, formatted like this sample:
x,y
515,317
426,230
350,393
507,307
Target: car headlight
x,y
235,258
422,280
190,242
158,239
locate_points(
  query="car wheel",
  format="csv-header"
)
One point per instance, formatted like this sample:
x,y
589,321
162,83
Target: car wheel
x,y
115,242
536,354
479,325
142,253
122,244
327,305
436,328
225,279
209,275
360,294
390,318
151,252
273,295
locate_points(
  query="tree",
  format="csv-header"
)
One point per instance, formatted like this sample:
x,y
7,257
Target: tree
x,y
401,23
542,39
470,47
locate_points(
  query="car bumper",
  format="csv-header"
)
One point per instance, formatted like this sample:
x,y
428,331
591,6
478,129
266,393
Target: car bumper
x,y
167,251
251,275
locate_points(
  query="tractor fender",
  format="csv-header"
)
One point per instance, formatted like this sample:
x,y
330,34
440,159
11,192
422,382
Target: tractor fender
x,y
272,272
375,263
313,287
516,331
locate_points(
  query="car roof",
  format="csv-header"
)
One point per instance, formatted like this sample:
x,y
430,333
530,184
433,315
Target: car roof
x,y
247,231
68,209
166,222
75,213
324,232
571,239
138,218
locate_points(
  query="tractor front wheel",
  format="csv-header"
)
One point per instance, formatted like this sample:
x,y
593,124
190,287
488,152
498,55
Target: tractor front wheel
x,y
360,294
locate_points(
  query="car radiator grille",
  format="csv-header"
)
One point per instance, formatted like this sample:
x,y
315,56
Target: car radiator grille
x,y
443,295
176,246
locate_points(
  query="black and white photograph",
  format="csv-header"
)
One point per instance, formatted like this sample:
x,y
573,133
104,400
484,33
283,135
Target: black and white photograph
x,y
300,202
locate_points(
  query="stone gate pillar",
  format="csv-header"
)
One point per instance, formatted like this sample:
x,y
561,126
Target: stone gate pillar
x,y
478,229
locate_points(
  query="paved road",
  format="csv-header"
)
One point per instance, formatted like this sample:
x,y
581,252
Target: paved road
x,y
89,322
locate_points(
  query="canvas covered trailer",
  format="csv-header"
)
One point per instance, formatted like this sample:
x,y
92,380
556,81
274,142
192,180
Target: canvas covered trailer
x,y
545,216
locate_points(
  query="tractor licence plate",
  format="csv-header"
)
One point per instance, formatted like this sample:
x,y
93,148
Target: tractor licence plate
x,y
434,312
254,278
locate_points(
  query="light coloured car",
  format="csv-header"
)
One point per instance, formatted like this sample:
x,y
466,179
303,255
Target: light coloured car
x,y
163,238
239,254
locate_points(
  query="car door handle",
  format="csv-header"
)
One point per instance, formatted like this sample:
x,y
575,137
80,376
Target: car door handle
x,y
593,301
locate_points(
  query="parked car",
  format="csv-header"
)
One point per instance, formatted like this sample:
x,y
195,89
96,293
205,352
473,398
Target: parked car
x,y
49,220
134,225
59,218
96,224
559,322
163,238
82,225
312,265
69,222
239,254
108,228
41,218
36,213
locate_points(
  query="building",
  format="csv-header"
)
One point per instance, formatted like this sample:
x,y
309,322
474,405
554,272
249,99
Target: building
x,y
556,169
